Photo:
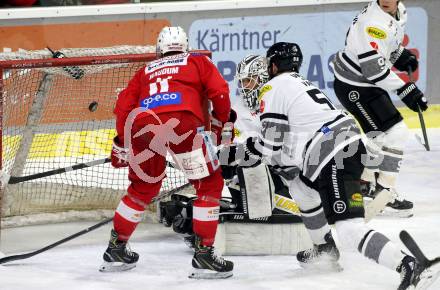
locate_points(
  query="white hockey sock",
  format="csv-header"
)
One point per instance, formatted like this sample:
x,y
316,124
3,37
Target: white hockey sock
x,y
316,224
354,234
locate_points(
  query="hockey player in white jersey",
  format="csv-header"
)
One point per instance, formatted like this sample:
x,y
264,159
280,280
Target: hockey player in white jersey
x,y
363,81
319,149
251,76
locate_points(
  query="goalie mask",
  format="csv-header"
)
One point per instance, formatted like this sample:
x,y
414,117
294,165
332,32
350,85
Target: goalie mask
x,y
171,39
286,56
251,76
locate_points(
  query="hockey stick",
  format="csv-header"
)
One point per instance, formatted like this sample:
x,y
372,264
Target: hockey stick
x,y
430,269
80,233
422,125
57,243
412,246
425,143
18,179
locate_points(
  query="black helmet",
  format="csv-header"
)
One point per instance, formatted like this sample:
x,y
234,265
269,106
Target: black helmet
x,y
286,56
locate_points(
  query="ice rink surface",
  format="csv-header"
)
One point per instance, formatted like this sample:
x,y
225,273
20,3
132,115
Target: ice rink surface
x,y
165,260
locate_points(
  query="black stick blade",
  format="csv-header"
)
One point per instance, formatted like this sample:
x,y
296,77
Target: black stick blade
x,y
412,246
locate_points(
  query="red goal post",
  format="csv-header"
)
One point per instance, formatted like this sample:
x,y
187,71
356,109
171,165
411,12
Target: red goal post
x,y
52,118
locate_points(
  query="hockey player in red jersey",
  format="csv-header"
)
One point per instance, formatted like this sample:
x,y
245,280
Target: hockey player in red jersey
x,y
160,111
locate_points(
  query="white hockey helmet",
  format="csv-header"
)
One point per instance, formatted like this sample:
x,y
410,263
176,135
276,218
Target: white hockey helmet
x,y
172,39
251,76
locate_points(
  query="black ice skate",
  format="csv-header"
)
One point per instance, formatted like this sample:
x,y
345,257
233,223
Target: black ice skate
x,y
190,241
398,207
321,257
418,272
413,275
207,265
118,257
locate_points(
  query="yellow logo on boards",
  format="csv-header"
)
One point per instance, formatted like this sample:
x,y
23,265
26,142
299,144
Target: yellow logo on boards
x,y
264,90
376,32
237,132
356,197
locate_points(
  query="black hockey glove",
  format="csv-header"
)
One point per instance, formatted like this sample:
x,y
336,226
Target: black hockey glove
x,y
228,172
412,97
177,212
182,223
239,155
407,60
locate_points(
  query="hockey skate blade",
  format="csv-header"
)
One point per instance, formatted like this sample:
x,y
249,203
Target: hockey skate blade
x,y
208,274
428,277
115,267
322,266
391,212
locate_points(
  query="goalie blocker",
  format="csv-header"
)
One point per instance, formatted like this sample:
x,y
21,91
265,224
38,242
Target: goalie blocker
x,y
256,203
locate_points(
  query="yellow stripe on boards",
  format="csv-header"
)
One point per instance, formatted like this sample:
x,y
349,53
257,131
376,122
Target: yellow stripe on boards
x,y
99,142
431,117
66,144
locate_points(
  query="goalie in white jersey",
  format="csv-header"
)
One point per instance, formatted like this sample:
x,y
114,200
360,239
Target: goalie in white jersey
x,y
363,80
319,151
251,76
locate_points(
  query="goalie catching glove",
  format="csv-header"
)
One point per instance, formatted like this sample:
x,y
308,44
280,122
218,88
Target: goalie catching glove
x,y
412,97
119,155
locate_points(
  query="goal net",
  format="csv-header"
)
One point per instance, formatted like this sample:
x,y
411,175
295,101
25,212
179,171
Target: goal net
x,y
57,113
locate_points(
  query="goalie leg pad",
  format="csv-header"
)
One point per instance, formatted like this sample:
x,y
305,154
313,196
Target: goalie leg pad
x,y
257,189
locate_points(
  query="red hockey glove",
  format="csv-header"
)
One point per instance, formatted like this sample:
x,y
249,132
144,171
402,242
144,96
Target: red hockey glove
x,y
224,132
119,155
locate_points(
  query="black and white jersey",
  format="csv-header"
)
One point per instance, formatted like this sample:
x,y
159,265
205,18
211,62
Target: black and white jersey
x,y
373,44
300,127
247,123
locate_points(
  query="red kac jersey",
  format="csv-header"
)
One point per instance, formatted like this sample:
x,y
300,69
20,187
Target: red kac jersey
x,y
179,82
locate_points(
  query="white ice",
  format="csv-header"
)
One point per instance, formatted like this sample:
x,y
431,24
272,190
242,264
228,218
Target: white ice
x,y
165,260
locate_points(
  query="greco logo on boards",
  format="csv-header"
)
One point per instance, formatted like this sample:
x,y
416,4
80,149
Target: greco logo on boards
x,y
376,32
161,99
